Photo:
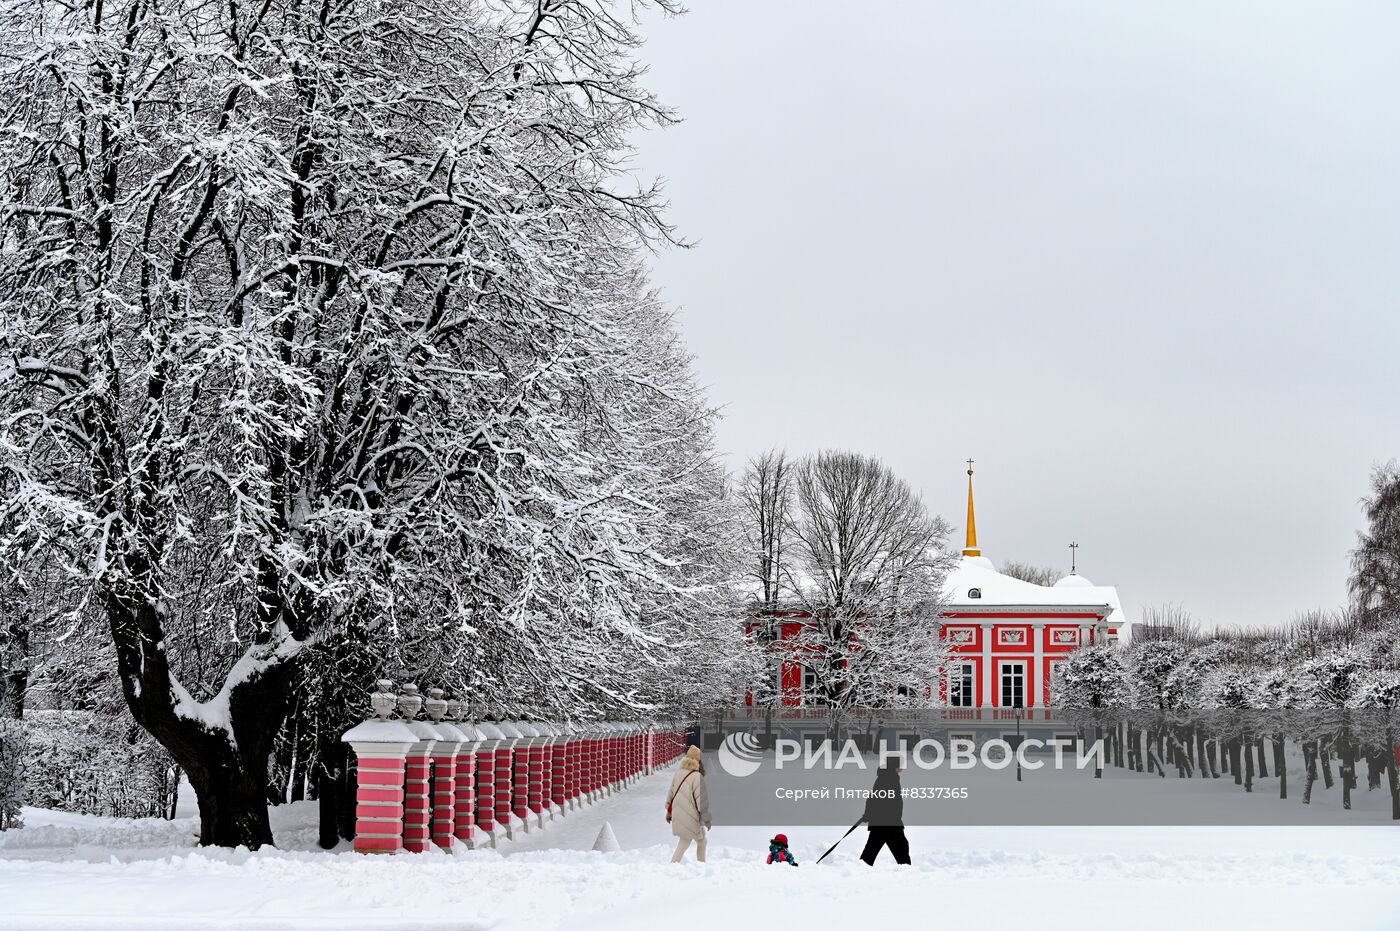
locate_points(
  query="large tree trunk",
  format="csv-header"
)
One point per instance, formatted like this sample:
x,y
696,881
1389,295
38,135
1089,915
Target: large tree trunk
x,y
1280,766
232,806
224,746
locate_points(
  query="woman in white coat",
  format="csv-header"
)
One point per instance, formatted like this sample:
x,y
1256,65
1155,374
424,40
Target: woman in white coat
x,y
688,806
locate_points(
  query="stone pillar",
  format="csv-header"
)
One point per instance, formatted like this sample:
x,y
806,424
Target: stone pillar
x,y
609,757
578,763
593,763
381,748
417,788
520,769
559,770
464,806
506,819
417,783
548,746
485,759
534,775
989,673
443,826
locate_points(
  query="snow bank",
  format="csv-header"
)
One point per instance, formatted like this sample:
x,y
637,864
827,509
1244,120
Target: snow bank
x,y
107,873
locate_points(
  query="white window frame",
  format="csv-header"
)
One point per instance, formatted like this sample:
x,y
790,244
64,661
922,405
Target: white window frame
x,y
1008,672
963,682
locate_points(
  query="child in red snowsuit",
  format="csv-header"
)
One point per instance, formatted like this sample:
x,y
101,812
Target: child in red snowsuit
x,y
778,850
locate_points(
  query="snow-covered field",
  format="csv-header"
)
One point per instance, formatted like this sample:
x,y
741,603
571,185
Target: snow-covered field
x,y
69,871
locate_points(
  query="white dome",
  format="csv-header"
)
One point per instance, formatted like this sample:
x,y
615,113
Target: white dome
x,y
980,562
1074,581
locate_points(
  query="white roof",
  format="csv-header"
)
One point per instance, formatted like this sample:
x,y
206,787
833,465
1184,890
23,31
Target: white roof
x,y
998,591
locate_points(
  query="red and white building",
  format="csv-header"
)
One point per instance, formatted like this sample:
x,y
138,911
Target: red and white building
x,y
1007,634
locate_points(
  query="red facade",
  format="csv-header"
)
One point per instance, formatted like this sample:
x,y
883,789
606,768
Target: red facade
x,y
1000,658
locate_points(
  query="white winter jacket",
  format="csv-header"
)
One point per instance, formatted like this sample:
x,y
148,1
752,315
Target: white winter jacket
x,y
690,803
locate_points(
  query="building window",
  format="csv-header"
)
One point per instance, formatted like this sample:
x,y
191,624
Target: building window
x,y
809,686
961,681
1013,685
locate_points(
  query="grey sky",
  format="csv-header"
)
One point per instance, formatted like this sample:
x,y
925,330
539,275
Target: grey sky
x,y
1139,260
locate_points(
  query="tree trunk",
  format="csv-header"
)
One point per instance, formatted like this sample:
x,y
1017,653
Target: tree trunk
x,y
327,804
15,683
1280,766
1248,749
1347,754
1310,762
232,807
1392,778
334,791
1325,756
1259,751
301,766
223,749
1235,768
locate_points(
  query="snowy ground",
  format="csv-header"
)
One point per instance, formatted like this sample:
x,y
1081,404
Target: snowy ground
x,y
69,871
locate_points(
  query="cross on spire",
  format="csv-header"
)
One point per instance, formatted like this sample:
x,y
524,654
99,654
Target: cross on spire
x,y
1073,553
969,467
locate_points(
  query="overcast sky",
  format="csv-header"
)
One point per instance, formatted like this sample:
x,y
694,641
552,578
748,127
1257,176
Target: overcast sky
x,y
1138,260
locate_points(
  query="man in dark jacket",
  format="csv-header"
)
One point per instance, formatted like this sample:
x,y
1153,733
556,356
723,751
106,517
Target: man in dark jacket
x,y
884,813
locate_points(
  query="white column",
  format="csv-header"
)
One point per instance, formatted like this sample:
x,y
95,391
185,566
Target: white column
x,y
1037,690
988,673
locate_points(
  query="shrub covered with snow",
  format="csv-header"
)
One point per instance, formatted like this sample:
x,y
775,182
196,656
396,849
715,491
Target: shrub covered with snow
x,y
96,763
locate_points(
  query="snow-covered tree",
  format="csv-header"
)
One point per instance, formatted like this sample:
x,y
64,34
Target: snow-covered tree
x,y
871,567
765,494
1091,685
1376,701
326,348
1375,563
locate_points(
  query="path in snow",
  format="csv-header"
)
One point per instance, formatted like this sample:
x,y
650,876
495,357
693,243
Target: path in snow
x,y
76,872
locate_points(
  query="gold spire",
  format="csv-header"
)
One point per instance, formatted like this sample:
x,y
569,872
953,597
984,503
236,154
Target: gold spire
x,y
971,548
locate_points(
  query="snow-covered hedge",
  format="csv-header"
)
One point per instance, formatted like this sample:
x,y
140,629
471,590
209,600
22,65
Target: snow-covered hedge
x,y
99,764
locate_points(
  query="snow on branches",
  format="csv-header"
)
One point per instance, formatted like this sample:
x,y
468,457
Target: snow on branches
x,y
324,333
